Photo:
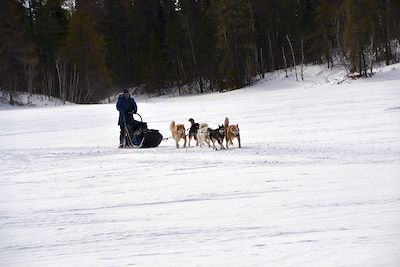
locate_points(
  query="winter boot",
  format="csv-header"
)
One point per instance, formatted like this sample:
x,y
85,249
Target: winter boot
x,y
121,140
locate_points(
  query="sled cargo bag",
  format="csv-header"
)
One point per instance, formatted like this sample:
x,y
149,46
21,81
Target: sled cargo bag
x,y
146,138
141,136
151,138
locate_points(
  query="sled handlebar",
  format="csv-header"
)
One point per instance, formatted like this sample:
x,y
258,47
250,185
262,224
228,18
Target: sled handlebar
x,y
141,119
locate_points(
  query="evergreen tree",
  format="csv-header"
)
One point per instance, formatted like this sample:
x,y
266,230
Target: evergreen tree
x,y
74,53
117,30
85,51
154,70
235,43
206,44
49,27
357,33
322,40
149,16
18,56
173,46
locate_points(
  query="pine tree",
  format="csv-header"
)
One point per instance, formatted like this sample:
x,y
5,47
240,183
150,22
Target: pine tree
x,y
324,34
85,51
154,70
198,40
117,26
18,55
174,46
357,33
223,43
235,43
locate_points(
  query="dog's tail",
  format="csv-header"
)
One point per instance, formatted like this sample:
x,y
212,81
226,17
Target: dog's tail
x,y
172,125
203,125
226,122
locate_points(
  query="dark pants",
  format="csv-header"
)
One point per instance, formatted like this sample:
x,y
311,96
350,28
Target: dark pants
x,y
121,134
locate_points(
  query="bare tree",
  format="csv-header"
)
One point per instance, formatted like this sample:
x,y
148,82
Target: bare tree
x,y
284,60
61,67
262,62
294,59
371,54
342,52
302,60
196,72
48,81
272,53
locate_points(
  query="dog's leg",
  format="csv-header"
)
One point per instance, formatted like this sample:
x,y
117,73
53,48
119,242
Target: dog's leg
x,y
240,146
226,141
221,144
190,137
184,138
207,140
177,144
213,143
199,140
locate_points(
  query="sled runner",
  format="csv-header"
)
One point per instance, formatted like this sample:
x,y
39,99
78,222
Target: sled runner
x,y
137,135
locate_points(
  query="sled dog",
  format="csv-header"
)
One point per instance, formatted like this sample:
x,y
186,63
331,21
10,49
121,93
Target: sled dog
x,y
231,132
217,135
194,127
178,133
203,134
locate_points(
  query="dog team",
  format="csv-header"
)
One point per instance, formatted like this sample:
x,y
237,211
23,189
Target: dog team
x,y
203,134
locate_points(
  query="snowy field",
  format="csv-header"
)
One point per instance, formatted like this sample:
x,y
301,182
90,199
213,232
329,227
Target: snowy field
x,y
316,182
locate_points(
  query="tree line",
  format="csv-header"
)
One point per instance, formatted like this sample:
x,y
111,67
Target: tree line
x,y
84,50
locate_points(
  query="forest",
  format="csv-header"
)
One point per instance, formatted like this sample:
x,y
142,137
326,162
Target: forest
x,y
83,51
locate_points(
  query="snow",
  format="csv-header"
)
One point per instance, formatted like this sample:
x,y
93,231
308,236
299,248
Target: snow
x,y
316,182
24,100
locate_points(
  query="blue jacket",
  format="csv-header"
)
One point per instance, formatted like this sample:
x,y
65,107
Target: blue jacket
x,y
124,106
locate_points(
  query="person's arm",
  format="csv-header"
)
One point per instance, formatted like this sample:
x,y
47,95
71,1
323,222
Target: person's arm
x,y
120,107
134,106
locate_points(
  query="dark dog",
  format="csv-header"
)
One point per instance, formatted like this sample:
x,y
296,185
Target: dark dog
x,y
193,131
218,135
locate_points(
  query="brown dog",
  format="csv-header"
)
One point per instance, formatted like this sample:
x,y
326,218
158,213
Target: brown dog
x,y
231,132
178,133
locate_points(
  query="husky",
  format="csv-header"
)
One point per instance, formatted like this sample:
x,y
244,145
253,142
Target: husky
x,y
178,133
217,135
203,134
194,127
231,132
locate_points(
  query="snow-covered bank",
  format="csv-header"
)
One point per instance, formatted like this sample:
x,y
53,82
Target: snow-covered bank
x,y
315,184
23,99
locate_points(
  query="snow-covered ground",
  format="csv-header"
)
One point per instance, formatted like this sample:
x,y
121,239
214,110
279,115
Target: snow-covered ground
x,y
316,183
23,99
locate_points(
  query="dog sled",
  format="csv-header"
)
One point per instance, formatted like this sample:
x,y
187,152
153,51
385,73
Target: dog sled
x,y
137,135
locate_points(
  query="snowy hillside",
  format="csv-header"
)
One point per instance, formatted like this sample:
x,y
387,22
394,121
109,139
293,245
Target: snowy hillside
x,y
23,99
316,182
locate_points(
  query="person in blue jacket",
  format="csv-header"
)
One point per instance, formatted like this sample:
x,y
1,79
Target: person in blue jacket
x,y
126,106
